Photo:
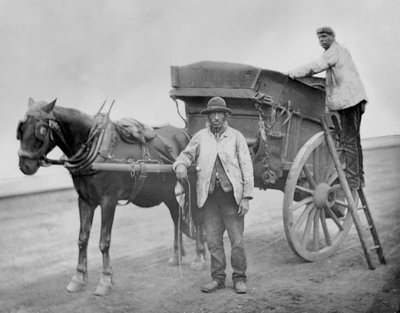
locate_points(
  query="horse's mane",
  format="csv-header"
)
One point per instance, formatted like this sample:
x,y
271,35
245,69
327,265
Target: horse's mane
x,y
66,115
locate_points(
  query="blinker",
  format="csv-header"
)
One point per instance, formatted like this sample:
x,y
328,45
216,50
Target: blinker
x,y
41,131
19,130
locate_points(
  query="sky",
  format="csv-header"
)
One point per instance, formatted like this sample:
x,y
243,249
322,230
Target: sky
x,y
85,52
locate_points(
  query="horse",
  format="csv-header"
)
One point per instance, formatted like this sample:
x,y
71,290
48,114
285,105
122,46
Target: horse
x,y
86,140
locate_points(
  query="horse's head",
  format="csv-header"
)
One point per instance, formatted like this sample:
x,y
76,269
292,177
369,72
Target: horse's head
x,y
34,132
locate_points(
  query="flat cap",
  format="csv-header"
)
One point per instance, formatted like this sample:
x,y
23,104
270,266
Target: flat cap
x,y
325,30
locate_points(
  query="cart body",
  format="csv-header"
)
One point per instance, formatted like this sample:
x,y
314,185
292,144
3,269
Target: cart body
x,y
281,121
299,103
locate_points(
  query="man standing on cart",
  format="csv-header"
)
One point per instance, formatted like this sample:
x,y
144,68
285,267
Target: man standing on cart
x,y
345,93
224,187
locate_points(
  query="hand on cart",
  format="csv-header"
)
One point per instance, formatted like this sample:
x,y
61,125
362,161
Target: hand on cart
x,y
181,172
262,98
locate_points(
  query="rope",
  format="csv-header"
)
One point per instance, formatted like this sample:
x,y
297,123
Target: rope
x,y
179,113
188,197
189,206
180,243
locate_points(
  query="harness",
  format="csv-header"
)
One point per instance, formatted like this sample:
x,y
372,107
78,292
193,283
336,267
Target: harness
x,y
49,132
45,122
47,129
80,162
141,175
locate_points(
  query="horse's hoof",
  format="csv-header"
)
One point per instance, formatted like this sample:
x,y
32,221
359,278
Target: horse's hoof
x,y
78,283
198,264
104,287
174,261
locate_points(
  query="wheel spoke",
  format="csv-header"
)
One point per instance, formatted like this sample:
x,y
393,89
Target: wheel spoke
x,y
313,232
301,203
320,159
325,161
316,231
336,187
303,216
309,176
325,228
332,179
334,218
331,170
307,229
301,188
316,164
341,203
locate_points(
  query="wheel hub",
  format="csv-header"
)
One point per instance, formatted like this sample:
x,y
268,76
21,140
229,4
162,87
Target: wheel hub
x,y
324,196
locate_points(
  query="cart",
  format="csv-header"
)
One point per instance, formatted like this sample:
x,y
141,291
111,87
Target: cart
x,y
293,143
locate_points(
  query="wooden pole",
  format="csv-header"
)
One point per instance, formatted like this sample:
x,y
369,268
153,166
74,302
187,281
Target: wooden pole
x,y
343,181
137,167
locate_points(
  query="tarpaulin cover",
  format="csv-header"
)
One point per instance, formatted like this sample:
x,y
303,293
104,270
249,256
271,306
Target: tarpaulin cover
x,y
210,78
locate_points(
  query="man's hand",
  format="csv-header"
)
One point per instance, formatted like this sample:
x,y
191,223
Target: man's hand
x,y
243,207
262,98
181,172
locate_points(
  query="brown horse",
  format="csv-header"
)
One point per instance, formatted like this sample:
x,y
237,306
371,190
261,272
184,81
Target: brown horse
x,y
86,140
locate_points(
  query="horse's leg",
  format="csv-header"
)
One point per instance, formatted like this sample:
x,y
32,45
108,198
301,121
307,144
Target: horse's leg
x,y
79,280
200,258
178,244
108,205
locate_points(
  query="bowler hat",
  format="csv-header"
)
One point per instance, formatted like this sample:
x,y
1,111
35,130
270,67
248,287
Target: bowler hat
x,y
216,104
325,30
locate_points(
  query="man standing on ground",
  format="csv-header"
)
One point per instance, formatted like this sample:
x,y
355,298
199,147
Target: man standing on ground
x,y
345,93
224,187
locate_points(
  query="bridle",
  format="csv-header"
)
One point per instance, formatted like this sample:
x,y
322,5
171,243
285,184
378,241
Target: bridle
x,y
46,129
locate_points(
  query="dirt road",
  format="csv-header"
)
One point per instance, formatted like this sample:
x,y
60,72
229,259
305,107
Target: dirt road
x,y
38,255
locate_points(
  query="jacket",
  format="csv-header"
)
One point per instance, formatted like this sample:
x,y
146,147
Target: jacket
x,y
343,84
234,154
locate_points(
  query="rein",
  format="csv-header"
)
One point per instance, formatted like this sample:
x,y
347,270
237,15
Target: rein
x,y
79,163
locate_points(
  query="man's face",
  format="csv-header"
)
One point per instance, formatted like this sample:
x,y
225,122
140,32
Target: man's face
x,y
325,40
216,119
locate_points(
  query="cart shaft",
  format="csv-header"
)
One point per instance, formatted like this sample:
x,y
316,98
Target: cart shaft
x,y
136,168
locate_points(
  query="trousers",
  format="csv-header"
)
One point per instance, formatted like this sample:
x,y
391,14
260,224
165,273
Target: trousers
x,y
220,214
350,120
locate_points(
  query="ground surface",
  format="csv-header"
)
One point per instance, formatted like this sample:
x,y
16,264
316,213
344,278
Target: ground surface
x,y
38,255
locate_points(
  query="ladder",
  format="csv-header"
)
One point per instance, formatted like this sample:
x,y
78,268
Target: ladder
x,y
352,203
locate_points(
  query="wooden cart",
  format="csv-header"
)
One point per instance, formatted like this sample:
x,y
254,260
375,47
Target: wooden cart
x,y
293,142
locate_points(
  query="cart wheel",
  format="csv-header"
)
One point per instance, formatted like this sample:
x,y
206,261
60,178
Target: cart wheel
x,y
315,212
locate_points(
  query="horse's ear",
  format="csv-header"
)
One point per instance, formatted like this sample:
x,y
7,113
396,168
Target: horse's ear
x,y
50,106
31,102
